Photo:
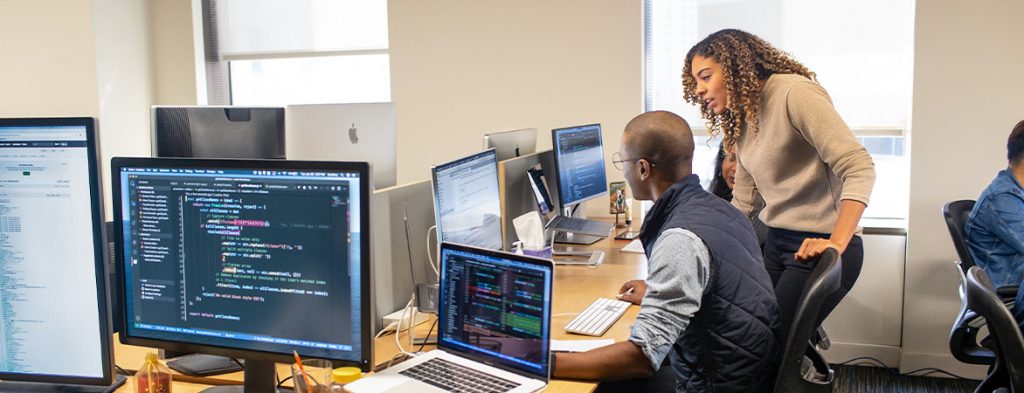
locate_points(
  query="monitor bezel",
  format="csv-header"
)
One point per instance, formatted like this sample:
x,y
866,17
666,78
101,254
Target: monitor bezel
x,y
546,264
96,202
558,165
433,188
366,357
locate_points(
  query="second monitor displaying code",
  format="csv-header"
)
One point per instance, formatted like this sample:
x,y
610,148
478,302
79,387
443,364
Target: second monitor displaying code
x,y
241,257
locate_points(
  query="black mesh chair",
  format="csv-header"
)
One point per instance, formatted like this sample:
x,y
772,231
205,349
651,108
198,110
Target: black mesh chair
x,y
963,338
1007,373
956,213
823,281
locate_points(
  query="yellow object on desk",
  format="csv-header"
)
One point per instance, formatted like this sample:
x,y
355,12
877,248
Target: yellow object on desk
x,y
345,375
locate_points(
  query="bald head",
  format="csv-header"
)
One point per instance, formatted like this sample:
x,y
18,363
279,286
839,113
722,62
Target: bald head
x,y
664,139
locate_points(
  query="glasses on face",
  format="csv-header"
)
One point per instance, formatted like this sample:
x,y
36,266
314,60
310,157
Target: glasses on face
x,y
617,160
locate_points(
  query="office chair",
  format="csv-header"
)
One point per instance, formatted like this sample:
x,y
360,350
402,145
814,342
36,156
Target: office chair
x,y
956,213
823,281
963,337
1007,374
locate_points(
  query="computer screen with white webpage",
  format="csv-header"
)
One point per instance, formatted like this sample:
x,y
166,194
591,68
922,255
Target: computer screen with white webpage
x,y
467,201
579,157
252,259
52,295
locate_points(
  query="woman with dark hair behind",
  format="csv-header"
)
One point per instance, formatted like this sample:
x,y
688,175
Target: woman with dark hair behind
x,y
721,186
792,149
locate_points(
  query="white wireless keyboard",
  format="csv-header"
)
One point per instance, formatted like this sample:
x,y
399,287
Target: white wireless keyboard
x,y
598,317
634,246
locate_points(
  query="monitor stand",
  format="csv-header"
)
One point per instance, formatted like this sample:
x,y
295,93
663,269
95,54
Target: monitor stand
x,y
201,364
575,238
34,387
260,377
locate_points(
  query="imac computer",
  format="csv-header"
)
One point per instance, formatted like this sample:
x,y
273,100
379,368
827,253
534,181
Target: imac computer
x,y
512,144
252,259
467,201
54,322
579,159
345,132
218,132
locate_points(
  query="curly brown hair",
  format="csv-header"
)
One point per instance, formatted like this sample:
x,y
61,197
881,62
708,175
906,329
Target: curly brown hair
x,y
747,61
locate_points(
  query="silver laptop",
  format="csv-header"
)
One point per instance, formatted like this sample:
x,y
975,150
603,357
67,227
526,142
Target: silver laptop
x,y
494,329
345,132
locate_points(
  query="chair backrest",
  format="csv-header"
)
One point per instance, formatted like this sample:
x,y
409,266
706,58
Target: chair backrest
x,y
823,281
982,298
956,213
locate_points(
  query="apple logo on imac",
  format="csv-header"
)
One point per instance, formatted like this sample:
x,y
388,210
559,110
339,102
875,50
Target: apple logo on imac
x,y
352,134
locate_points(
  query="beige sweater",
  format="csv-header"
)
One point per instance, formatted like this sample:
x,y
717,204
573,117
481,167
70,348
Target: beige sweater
x,y
803,160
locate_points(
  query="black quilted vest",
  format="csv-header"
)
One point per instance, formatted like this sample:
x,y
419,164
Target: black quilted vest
x,y
733,343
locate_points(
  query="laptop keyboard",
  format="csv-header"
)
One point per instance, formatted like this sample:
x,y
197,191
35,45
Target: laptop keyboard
x,y
455,378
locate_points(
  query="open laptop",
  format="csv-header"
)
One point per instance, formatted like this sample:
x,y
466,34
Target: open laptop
x,y
345,132
592,230
495,328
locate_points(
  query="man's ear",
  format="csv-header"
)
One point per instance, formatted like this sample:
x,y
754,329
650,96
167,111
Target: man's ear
x,y
645,169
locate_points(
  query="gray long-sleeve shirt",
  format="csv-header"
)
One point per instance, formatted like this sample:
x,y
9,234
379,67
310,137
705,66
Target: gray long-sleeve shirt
x,y
678,272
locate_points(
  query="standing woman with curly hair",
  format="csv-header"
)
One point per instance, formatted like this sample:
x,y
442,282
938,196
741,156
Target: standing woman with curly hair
x,y
793,150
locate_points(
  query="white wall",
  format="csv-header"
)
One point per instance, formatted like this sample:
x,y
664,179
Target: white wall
x,y
461,69
968,84
124,75
174,37
49,59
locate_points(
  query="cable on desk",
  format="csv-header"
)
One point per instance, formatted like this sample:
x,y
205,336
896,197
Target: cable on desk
x,y
424,343
430,256
122,371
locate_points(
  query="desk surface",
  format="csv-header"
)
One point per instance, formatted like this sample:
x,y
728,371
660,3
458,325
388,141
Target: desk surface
x,y
575,287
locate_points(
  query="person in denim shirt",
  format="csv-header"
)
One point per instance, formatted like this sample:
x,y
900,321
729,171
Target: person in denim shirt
x,y
995,227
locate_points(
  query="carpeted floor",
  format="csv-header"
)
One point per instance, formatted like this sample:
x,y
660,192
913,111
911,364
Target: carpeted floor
x,y
856,379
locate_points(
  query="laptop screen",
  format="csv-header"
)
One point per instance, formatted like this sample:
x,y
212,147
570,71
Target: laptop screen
x,y
496,308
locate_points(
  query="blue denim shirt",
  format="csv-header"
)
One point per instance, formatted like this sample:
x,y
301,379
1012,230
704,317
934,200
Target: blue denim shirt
x,y
995,230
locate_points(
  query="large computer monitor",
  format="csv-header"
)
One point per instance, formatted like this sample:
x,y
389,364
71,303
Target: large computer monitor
x,y
579,157
512,144
218,132
54,326
346,132
248,259
467,201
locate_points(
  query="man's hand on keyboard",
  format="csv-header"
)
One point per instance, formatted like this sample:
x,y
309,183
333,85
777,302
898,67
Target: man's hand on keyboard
x,y
633,291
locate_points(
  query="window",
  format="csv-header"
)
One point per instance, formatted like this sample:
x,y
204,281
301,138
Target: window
x,y
282,52
862,53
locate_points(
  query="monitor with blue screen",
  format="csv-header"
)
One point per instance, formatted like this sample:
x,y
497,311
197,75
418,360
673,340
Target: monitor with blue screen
x,y
250,259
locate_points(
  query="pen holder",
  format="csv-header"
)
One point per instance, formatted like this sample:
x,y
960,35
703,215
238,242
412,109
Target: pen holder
x,y
319,372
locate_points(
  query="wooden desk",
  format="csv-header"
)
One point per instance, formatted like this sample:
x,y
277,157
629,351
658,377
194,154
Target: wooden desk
x,y
575,287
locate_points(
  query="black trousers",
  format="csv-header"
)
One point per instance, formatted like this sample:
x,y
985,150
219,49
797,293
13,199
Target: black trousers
x,y
789,276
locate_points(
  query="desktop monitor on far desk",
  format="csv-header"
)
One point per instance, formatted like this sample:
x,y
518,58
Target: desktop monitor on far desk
x,y
249,259
512,144
580,174
467,201
218,132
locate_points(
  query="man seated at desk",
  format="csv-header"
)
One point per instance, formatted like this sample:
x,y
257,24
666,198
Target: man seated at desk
x,y
708,303
995,227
